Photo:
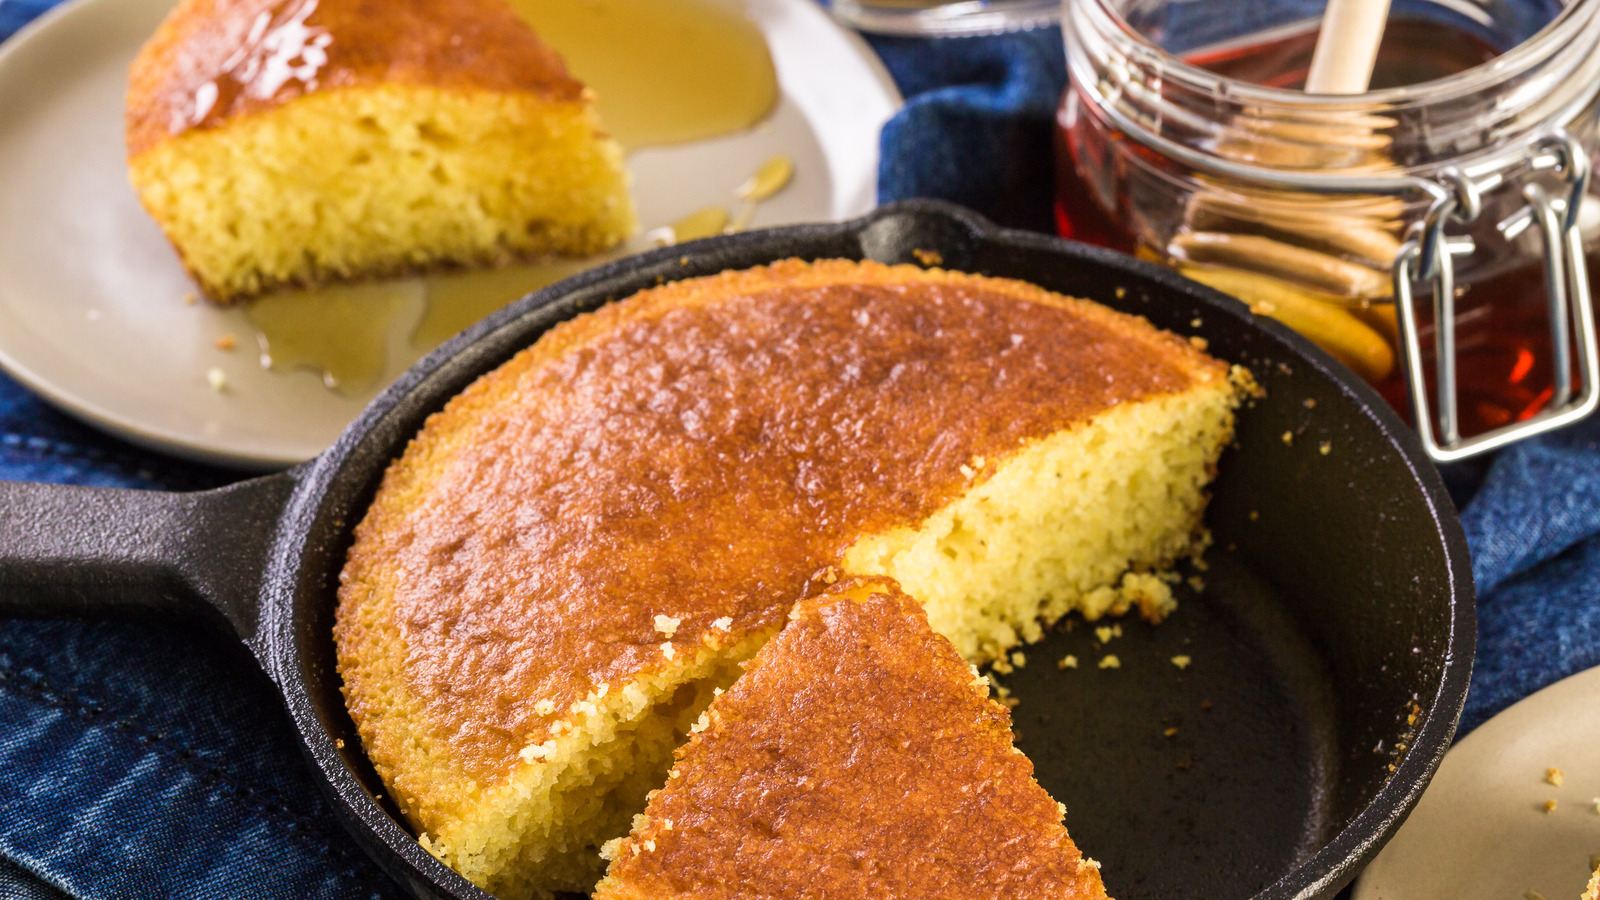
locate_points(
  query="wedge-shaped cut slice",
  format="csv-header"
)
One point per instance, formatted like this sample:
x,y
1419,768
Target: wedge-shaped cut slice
x,y
286,143
859,756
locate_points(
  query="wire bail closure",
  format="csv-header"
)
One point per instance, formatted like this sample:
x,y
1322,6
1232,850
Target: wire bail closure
x,y
1456,196
1428,256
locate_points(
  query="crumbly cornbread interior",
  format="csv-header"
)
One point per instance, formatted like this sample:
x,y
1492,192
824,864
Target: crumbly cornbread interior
x,y
384,179
1082,518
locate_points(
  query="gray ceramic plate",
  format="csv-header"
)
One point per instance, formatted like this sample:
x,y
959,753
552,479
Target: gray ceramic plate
x,y
1481,829
91,296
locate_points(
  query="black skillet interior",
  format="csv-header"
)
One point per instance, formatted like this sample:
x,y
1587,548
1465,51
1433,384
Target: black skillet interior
x,y
1329,647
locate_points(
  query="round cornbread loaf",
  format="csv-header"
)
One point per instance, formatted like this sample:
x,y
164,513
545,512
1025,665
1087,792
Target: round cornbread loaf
x,y
859,756
582,546
284,143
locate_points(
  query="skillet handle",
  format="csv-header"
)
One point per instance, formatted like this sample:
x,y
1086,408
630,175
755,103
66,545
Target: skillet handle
x,y
77,552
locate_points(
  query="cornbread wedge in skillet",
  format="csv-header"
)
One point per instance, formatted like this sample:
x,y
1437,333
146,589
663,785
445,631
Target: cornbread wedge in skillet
x,y
579,548
859,756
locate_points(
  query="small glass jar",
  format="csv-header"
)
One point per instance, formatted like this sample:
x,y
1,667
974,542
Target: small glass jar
x,y
1431,235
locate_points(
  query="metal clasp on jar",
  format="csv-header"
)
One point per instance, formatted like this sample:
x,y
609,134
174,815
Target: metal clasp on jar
x,y
1427,255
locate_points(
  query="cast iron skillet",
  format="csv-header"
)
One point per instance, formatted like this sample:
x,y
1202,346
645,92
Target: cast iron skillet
x,y
1329,650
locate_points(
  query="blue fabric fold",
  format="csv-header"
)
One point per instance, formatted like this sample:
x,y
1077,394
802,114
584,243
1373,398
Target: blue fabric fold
x,y
149,759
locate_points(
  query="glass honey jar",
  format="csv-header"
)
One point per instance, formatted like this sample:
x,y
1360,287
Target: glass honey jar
x,y
1435,234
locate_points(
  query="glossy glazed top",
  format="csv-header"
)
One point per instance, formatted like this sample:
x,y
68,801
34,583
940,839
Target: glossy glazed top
x,y
213,60
698,451
858,756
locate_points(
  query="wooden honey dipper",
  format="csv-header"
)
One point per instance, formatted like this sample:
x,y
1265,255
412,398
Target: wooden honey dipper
x,y
1223,243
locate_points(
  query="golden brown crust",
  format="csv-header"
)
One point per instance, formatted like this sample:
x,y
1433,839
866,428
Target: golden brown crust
x,y
857,757
699,451
213,60
1593,891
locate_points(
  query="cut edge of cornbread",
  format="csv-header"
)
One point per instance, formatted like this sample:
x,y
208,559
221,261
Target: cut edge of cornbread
x,y
1054,528
615,748
1593,891
374,180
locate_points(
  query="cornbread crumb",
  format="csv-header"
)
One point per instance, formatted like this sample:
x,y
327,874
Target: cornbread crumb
x,y
1003,666
1181,661
534,752
702,723
667,650
1062,809
1554,777
226,342
1549,806
217,378
968,472
1087,863
1325,448
1199,343
1104,634
1288,438
1121,292
1197,584
544,707
722,624
1110,662
1067,662
1311,403
1018,659
1195,322
338,743
608,850
928,257
667,625
1171,732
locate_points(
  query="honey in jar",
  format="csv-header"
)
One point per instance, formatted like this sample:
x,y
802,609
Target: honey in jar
x,y
1185,137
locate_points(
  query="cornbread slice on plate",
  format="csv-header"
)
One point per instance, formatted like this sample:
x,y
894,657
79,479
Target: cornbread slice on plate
x,y
284,143
579,548
859,756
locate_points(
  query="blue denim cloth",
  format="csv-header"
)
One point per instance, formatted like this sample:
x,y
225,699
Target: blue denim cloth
x,y
152,760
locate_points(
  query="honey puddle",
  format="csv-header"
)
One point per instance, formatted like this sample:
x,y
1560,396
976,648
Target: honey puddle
x,y
457,300
342,332
665,72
